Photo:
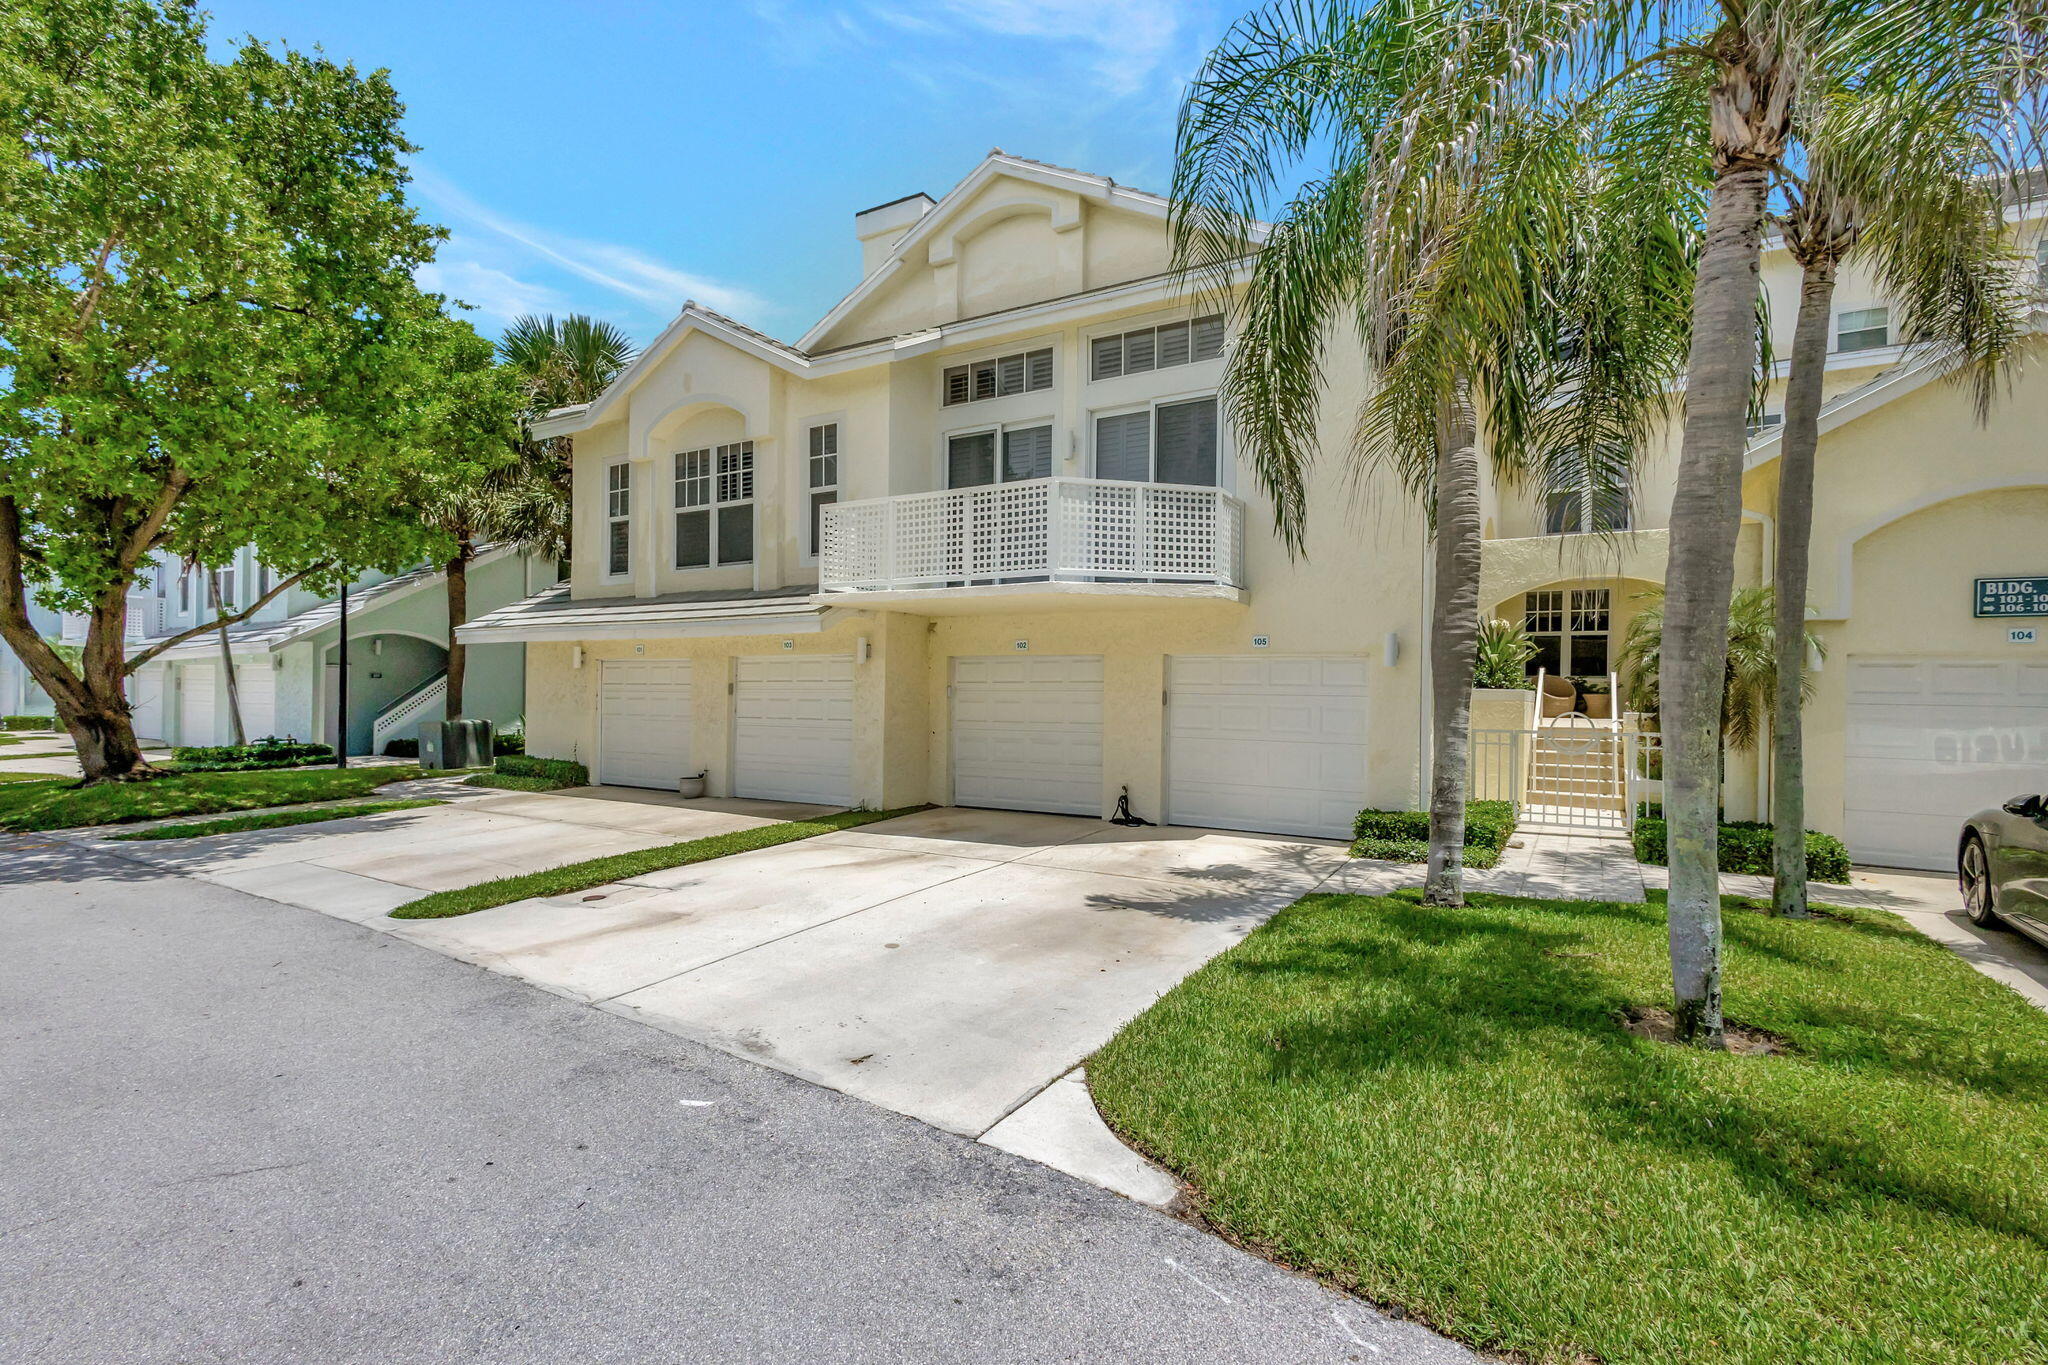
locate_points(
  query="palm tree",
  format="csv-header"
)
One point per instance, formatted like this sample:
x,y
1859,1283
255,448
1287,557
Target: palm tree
x,y
1500,272
557,364
1929,218
1750,670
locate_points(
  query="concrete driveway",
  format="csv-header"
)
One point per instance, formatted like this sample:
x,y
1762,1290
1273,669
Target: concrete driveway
x,y
949,965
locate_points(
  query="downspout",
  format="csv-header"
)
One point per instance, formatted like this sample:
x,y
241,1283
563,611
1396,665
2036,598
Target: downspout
x,y
1424,714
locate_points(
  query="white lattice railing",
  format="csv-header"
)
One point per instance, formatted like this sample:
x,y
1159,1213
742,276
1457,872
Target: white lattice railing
x,y
1065,530
409,710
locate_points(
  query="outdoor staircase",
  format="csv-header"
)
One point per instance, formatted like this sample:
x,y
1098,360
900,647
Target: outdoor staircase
x,y
1577,776
428,701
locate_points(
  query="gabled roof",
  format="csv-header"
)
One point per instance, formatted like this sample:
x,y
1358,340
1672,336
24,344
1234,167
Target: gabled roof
x,y
263,637
997,163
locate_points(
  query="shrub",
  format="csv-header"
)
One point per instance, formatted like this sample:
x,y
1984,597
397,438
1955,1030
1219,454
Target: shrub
x,y
28,723
510,742
1745,846
268,752
565,771
1504,653
1402,836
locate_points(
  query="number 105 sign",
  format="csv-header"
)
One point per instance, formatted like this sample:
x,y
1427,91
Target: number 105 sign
x,y
2017,596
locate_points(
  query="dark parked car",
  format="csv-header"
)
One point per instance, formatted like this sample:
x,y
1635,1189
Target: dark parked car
x,y
2002,864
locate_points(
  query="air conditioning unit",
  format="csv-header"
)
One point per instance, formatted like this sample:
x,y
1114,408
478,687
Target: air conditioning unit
x,y
456,744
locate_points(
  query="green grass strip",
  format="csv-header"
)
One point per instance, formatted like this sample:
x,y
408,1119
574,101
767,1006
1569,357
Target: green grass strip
x,y
64,805
275,819
513,783
559,881
1441,1109
34,777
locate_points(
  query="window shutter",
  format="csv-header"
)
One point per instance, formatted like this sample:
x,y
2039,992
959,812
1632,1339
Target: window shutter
x,y
1010,372
1138,351
1208,337
1108,357
620,558
1123,446
1187,442
958,388
985,379
1040,363
693,539
736,534
1027,454
971,460
1173,345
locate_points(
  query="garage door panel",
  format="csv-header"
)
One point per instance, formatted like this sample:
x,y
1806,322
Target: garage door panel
x,y
1027,733
196,684
793,728
1269,743
1931,741
644,723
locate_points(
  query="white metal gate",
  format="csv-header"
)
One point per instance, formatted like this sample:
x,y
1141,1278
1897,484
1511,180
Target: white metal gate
x,y
1570,773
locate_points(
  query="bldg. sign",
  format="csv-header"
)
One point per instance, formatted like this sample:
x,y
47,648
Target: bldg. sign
x,y
2013,596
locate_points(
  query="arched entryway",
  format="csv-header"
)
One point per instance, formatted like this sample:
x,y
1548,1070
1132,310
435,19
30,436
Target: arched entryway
x,y
384,668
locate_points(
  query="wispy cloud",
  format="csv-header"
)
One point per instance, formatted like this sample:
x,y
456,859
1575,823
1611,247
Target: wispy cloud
x,y
623,270
1123,48
497,297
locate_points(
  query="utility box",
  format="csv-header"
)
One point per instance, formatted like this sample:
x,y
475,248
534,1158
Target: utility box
x,y
456,744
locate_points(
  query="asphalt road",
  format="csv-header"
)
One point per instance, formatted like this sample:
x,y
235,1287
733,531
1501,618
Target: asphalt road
x,y
233,1130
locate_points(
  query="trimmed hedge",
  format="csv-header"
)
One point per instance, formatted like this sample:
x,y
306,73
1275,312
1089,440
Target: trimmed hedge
x,y
562,770
28,723
1402,836
269,752
402,748
1745,846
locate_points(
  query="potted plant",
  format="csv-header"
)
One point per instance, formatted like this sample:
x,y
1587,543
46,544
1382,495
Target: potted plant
x,y
691,786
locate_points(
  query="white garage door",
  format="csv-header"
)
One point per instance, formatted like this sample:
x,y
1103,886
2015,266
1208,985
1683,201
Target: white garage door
x,y
793,729
1027,733
1261,742
195,704
643,736
1932,741
146,701
256,690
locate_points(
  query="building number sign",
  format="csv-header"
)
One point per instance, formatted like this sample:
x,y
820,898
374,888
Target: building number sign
x,y
2016,596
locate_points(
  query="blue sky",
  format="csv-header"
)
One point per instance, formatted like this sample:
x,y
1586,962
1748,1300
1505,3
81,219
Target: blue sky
x,y
617,158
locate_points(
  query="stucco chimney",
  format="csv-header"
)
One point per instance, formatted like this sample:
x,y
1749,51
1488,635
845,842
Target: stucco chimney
x,y
879,227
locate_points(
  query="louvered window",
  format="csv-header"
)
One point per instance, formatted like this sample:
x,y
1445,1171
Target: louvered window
x,y
1024,372
1027,454
714,506
618,510
1123,446
1156,348
971,459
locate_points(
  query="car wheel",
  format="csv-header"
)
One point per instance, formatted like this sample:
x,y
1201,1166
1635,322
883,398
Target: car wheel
x,y
1973,872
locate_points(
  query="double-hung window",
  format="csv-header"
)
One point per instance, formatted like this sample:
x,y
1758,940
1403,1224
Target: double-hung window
x,y
184,591
824,478
618,513
1174,442
715,506
228,597
1568,511
1863,329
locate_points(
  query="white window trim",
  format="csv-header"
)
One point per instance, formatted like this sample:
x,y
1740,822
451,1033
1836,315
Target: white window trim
x,y
942,469
1090,335
1585,496
1835,329
604,540
807,556
987,355
1226,461
714,507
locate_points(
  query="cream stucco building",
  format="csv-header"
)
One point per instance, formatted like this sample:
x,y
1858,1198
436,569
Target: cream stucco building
x,y
981,536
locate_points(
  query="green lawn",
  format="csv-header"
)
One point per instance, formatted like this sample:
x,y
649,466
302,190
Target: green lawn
x,y
6,776
1439,1109
235,824
560,881
513,783
63,806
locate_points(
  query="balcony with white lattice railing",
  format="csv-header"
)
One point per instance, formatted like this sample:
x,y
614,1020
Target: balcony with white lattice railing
x,y
1086,542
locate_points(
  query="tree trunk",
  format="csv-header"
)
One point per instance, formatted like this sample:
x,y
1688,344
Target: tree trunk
x,y
1706,515
1796,446
227,659
1453,645
458,612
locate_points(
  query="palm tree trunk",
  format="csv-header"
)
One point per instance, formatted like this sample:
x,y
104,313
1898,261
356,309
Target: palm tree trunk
x,y
1796,447
227,659
1453,645
458,612
1706,515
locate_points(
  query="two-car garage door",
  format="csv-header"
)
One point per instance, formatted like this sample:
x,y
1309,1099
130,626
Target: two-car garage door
x,y
1932,741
